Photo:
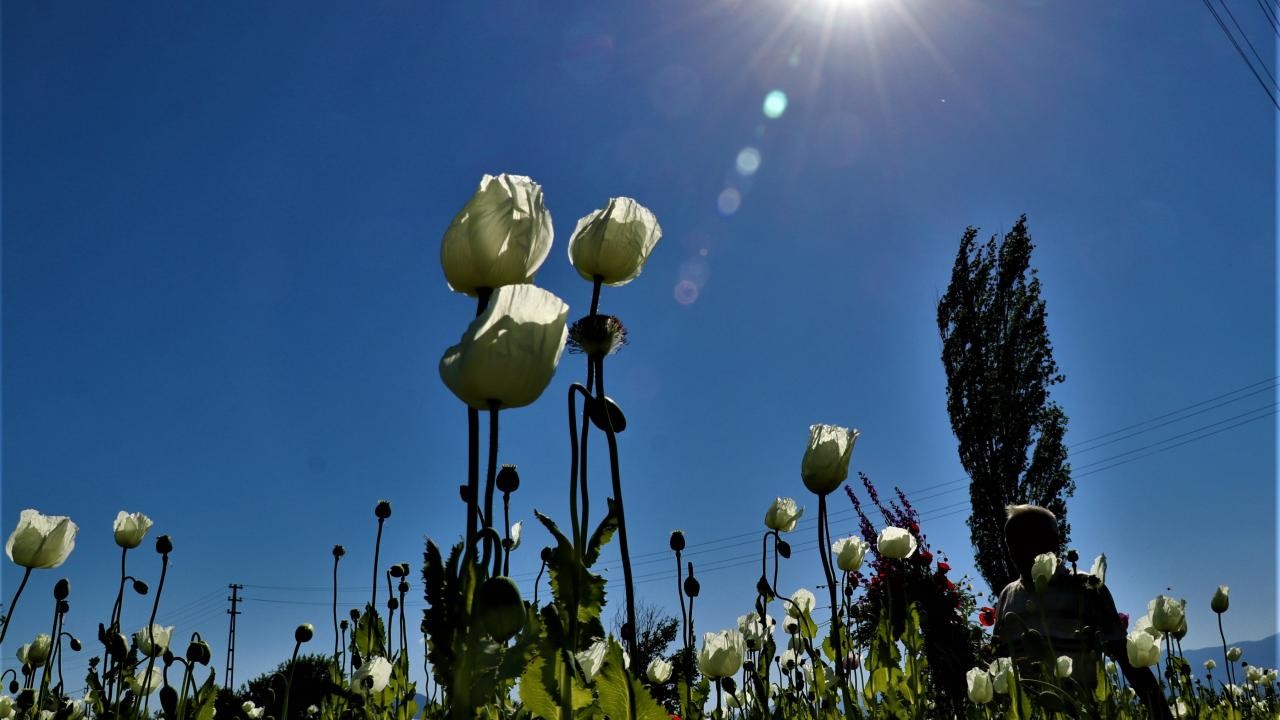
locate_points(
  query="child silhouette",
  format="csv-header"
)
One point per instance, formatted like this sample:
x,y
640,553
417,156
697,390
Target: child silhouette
x,y
1072,615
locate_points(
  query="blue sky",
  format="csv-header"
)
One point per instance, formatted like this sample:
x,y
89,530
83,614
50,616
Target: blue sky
x,y
223,307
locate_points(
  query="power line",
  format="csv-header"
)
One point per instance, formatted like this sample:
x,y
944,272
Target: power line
x,y
735,541
1243,57
1271,17
1270,386
1247,41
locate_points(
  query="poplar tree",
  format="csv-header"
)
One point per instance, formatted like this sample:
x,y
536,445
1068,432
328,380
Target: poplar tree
x,y
1000,367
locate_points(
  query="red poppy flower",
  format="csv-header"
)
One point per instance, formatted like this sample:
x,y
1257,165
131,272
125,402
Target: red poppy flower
x,y
926,557
944,567
987,616
1125,618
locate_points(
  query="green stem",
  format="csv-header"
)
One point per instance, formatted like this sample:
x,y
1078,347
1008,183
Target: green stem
x,y
8,616
151,636
491,547
288,683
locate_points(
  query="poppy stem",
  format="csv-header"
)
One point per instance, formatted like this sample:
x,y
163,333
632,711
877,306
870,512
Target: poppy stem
x,y
9,615
490,545
630,630
151,622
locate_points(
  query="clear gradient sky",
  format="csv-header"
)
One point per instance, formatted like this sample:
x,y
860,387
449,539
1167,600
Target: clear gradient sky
x,y
223,306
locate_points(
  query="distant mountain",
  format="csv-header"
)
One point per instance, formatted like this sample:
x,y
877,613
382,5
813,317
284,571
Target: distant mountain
x,y
1256,652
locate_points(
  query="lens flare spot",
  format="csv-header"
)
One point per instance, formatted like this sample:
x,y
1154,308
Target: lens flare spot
x,y
748,161
775,103
686,293
729,201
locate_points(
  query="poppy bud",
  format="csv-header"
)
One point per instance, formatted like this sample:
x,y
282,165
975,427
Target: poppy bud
x,y
383,509
140,587
198,652
62,589
1221,601
75,644
393,604
784,548
692,586
500,611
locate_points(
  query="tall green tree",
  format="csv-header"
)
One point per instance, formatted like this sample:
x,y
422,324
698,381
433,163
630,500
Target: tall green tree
x,y
999,364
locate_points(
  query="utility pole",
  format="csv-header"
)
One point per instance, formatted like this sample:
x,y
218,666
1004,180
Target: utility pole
x,y
231,636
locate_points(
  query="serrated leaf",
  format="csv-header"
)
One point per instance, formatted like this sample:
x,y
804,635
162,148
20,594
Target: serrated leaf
x,y
574,588
368,637
612,684
604,532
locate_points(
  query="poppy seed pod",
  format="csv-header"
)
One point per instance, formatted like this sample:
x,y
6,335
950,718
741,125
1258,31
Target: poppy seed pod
x,y
403,587
677,541
508,479
382,510
396,571
62,589
304,633
339,551
355,615
393,604
164,544
546,554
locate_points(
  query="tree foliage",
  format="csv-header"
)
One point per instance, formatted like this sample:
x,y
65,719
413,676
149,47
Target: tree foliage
x,y
312,683
999,364
655,631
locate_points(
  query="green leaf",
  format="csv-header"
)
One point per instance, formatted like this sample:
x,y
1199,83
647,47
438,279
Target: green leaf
x,y
368,637
575,589
443,614
604,532
612,685
541,689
